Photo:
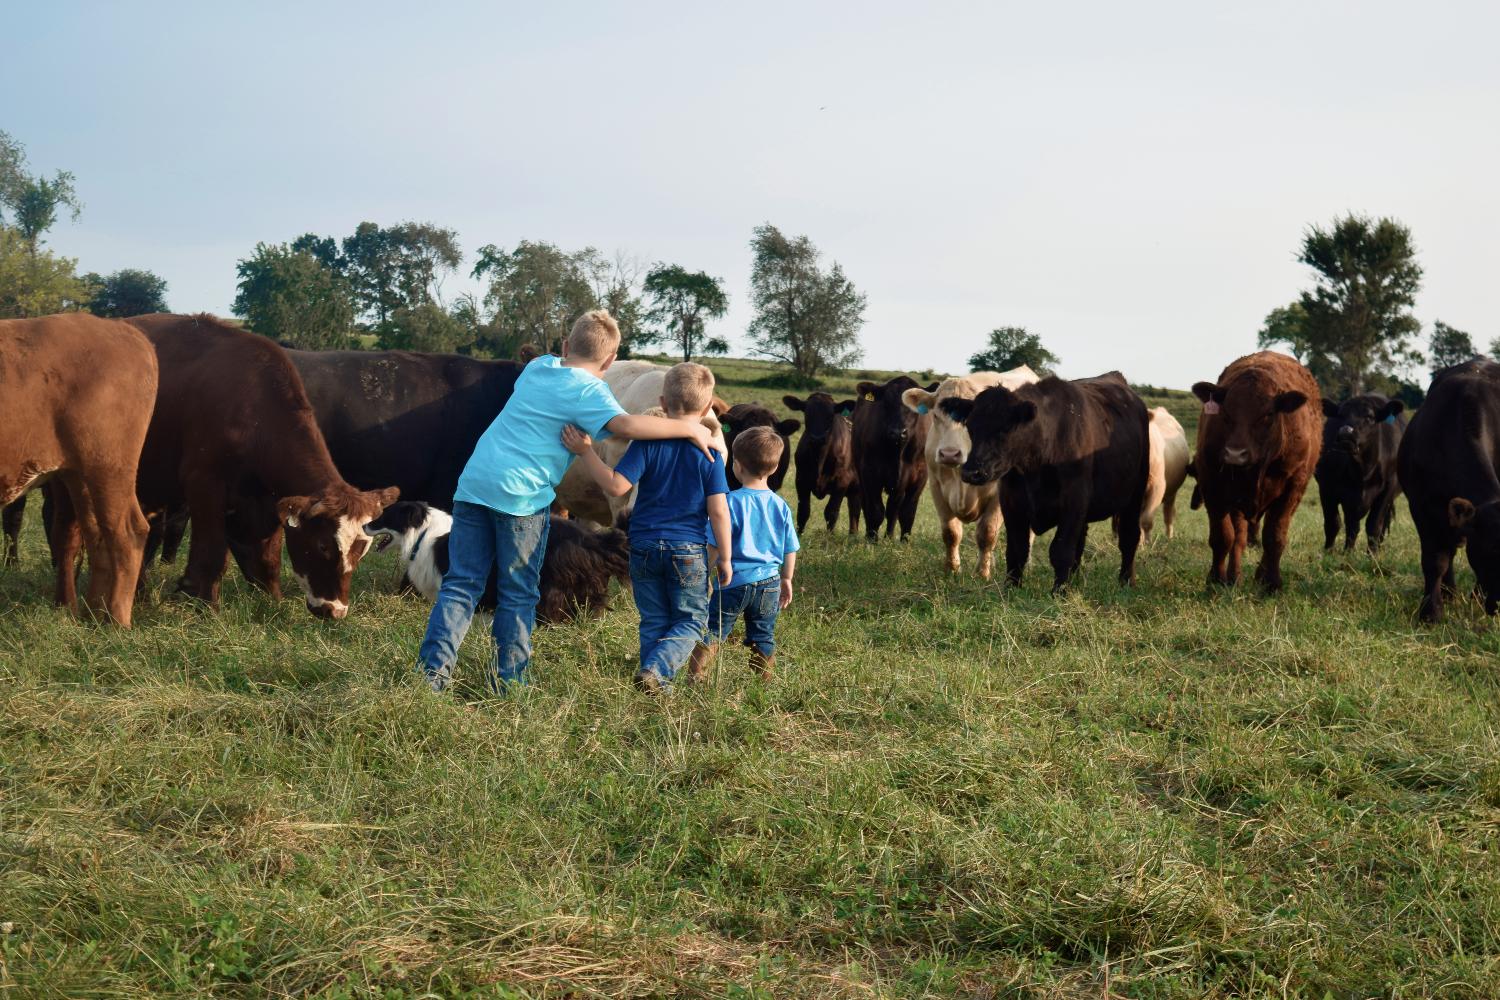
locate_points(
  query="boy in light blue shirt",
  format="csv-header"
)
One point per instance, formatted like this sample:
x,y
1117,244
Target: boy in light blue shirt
x,y
501,508
763,558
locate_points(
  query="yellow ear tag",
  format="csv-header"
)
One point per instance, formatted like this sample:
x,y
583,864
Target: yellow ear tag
x,y
869,397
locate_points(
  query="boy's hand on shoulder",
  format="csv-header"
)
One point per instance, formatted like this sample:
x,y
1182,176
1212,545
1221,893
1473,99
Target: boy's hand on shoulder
x,y
704,439
575,440
786,593
726,569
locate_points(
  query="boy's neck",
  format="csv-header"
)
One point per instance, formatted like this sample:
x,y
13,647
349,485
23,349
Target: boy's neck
x,y
756,484
594,368
687,418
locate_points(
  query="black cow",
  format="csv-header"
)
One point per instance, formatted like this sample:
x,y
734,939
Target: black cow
x,y
576,567
1449,466
890,455
1066,453
743,416
1357,470
825,459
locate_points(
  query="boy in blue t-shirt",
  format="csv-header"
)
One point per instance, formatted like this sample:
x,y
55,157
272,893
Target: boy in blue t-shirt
x,y
764,557
501,507
668,557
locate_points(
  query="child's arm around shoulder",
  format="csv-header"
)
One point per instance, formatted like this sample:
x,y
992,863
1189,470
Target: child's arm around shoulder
x,y
639,427
580,444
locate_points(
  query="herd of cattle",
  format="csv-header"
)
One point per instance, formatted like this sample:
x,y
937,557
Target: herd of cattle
x,y
147,425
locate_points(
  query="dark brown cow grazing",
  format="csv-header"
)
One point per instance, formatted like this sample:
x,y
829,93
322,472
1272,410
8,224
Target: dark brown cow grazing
x,y
890,455
1065,453
233,425
825,459
743,416
1258,442
76,395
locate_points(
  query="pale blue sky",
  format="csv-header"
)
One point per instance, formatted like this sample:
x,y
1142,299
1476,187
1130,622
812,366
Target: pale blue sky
x,y
1128,180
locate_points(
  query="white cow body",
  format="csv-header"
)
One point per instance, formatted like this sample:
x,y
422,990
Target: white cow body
x,y
637,385
1168,471
957,502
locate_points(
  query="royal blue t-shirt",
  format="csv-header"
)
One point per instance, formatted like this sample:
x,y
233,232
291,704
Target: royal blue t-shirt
x,y
520,459
763,534
674,482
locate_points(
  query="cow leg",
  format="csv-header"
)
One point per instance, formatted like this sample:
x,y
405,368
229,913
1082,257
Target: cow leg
x,y
1273,539
1379,521
12,518
1252,532
1064,553
1221,541
953,538
831,512
909,511
259,559
1351,525
855,503
208,546
1169,515
174,527
804,511
874,507
67,538
892,512
1437,578
1130,541
122,541
988,535
1330,521
1017,514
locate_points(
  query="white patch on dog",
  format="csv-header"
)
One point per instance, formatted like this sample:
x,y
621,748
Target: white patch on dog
x,y
421,566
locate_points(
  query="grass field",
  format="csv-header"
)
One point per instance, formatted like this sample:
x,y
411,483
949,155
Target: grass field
x,y
950,790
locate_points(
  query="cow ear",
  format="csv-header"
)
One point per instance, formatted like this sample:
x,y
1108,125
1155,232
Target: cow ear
x,y
1290,401
794,403
846,407
1204,390
866,391
917,400
1390,409
718,406
934,387
958,409
1023,412
1330,408
291,510
381,499
1460,513
786,428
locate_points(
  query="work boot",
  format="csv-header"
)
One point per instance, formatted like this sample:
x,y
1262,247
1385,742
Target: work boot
x,y
699,661
762,664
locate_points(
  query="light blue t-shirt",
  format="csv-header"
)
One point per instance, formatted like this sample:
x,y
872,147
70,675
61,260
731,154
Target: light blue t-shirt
x,y
763,534
519,461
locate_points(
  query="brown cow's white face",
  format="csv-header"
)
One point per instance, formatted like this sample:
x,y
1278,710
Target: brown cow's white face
x,y
325,538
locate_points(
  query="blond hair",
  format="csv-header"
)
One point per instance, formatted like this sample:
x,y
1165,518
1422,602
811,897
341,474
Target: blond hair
x,y
688,388
594,337
758,450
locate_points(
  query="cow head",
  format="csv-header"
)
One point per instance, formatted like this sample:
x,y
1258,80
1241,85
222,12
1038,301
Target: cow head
x,y
895,422
821,411
1353,425
1249,415
325,538
743,416
997,421
1479,526
948,439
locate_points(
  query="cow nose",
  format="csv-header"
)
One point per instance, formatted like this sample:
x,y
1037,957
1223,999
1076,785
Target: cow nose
x,y
1345,433
950,456
1236,456
327,609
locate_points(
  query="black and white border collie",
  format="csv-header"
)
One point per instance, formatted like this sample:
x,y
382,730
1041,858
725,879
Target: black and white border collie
x,y
576,568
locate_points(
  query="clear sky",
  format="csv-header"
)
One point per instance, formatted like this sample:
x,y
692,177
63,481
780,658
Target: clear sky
x,y
1129,181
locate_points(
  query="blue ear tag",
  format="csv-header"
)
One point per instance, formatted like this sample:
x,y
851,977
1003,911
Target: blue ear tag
x,y
1391,419
921,407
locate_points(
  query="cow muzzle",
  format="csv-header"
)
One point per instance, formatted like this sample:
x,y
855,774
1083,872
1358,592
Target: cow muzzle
x,y
327,610
1236,456
950,456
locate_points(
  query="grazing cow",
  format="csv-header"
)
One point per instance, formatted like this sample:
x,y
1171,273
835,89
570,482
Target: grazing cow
x,y
957,502
1449,467
637,386
76,402
1169,469
890,442
1357,471
1065,453
825,459
233,428
1258,441
743,416
576,567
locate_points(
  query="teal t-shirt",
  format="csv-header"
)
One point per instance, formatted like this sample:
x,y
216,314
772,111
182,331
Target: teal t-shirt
x,y
519,461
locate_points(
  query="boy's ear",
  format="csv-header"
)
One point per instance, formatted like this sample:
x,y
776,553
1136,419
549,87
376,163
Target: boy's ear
x,y
607,361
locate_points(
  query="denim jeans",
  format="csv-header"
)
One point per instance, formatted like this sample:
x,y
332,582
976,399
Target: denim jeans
x,y
670,580
759,602
483,539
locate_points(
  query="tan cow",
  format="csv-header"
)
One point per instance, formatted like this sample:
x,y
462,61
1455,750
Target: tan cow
x,y
956,501
1168,471
638,387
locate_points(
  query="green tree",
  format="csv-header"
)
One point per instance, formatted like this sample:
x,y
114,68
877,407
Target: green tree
x,y
392,267
290,295
426,327
32,200
1357,318
127,292
1449,346
36,283
1010,347
805,316
679,302
534,294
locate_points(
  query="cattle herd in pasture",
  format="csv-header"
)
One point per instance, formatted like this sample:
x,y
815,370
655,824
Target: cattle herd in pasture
x,y
139,428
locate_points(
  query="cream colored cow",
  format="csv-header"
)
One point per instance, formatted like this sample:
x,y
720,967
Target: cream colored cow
x,y
1169,462
637,386
956,501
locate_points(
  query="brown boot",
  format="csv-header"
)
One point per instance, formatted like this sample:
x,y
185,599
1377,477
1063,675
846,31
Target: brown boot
x,y
699,661
762,664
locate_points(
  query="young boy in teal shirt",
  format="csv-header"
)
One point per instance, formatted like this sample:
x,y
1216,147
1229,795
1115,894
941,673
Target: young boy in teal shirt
x,y
501,507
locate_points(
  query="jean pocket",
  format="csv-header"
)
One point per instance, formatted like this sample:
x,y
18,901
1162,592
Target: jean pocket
x,y
692,570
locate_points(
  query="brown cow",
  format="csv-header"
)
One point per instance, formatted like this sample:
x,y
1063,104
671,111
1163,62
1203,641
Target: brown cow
x,y
76,401
890,444
825,459
233,434
1258,442
740,418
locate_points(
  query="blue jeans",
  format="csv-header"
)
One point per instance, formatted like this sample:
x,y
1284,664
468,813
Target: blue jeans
x,y
670,580
759,602
485,539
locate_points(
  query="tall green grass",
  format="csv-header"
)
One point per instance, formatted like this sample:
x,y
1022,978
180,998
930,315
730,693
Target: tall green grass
x,y
949,790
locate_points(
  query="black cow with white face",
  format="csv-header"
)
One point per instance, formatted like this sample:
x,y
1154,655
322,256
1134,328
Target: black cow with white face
x,y
1357,471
